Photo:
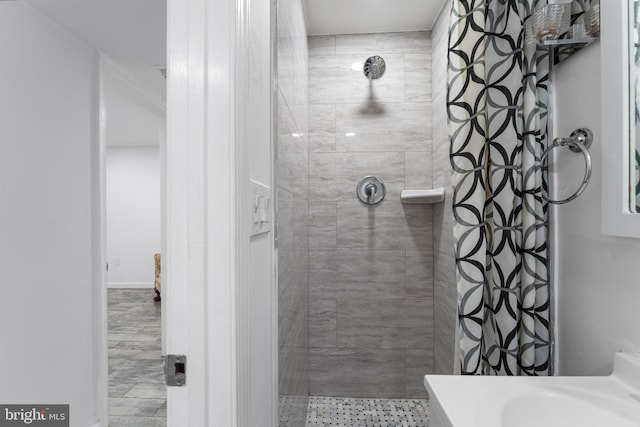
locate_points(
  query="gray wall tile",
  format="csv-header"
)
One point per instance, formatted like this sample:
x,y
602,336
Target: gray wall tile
x,y
392,126
293,300
292,177
294,371
293,173
293,149
445,289
384,43
322,127
322,322
418,174
334,176
374,142
419,363
285,219
389,225
322,225
333,80
322,45
292,53
357,372
286,278
385,323
286,127
300,114
301,224
349,273
419,273
417,76
441,165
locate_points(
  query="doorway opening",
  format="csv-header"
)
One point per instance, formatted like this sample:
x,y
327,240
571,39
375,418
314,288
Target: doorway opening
x,y
133,122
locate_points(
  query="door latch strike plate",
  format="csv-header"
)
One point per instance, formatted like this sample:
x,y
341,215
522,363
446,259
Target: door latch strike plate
x,y
175,370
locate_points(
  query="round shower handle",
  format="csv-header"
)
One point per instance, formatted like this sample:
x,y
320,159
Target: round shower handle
x,y
371,190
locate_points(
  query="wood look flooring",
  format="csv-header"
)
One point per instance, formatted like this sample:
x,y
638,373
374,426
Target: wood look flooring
x,y
137,393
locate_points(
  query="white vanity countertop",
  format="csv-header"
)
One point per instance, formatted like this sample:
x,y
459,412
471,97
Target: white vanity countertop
x,y
481,401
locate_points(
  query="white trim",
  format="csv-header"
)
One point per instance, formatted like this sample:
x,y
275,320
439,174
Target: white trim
x,y
255,96
130,285
163,227
275,338
100,255
242,218
123,74
617,220
207,189
222,207
183,26
201,256
552,234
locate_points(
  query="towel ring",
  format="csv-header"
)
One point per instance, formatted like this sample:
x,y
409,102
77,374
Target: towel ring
x,y
579,141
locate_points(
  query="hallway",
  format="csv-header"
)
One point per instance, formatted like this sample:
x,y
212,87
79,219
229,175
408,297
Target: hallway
x,y
137,394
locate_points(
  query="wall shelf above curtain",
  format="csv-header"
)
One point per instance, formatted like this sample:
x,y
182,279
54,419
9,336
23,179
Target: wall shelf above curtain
x,y
581,42
561,49
584,29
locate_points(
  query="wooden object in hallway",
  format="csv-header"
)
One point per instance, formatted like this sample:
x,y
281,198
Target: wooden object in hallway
x,y
157,282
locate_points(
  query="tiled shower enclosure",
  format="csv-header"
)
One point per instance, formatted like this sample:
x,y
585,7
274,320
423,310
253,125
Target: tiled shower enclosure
x,y
370,267
367,294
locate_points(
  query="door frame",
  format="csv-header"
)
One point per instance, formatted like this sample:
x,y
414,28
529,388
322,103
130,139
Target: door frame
x,y
204,290
108,68
208,193
101,347
202,227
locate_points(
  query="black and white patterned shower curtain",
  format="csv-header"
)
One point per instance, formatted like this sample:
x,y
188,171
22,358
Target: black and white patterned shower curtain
x,y
497,105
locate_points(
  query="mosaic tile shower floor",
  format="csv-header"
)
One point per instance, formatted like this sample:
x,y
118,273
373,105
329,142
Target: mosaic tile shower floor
x,y
351,412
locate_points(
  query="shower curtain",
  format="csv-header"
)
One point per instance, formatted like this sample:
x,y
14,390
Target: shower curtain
x,y
497,106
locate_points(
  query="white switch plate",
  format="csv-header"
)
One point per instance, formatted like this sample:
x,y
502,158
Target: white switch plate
x,y
260,208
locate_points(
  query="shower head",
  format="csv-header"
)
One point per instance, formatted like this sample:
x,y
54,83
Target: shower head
x,y
374,67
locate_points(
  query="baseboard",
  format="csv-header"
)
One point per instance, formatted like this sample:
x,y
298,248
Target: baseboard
x,y
130,285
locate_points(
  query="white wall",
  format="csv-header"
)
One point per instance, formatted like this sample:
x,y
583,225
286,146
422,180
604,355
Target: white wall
x,y
133,215
48,82
598,289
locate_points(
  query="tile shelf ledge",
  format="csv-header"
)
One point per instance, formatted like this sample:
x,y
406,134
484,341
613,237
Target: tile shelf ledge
x,y
422,197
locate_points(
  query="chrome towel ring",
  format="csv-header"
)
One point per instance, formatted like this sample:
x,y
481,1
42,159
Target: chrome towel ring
x,y
579,141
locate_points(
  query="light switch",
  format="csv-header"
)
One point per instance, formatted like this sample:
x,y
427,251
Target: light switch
x,y
264,210
260,208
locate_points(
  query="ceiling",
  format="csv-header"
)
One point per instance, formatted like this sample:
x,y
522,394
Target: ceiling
x,y
133,34
133,30
370,16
